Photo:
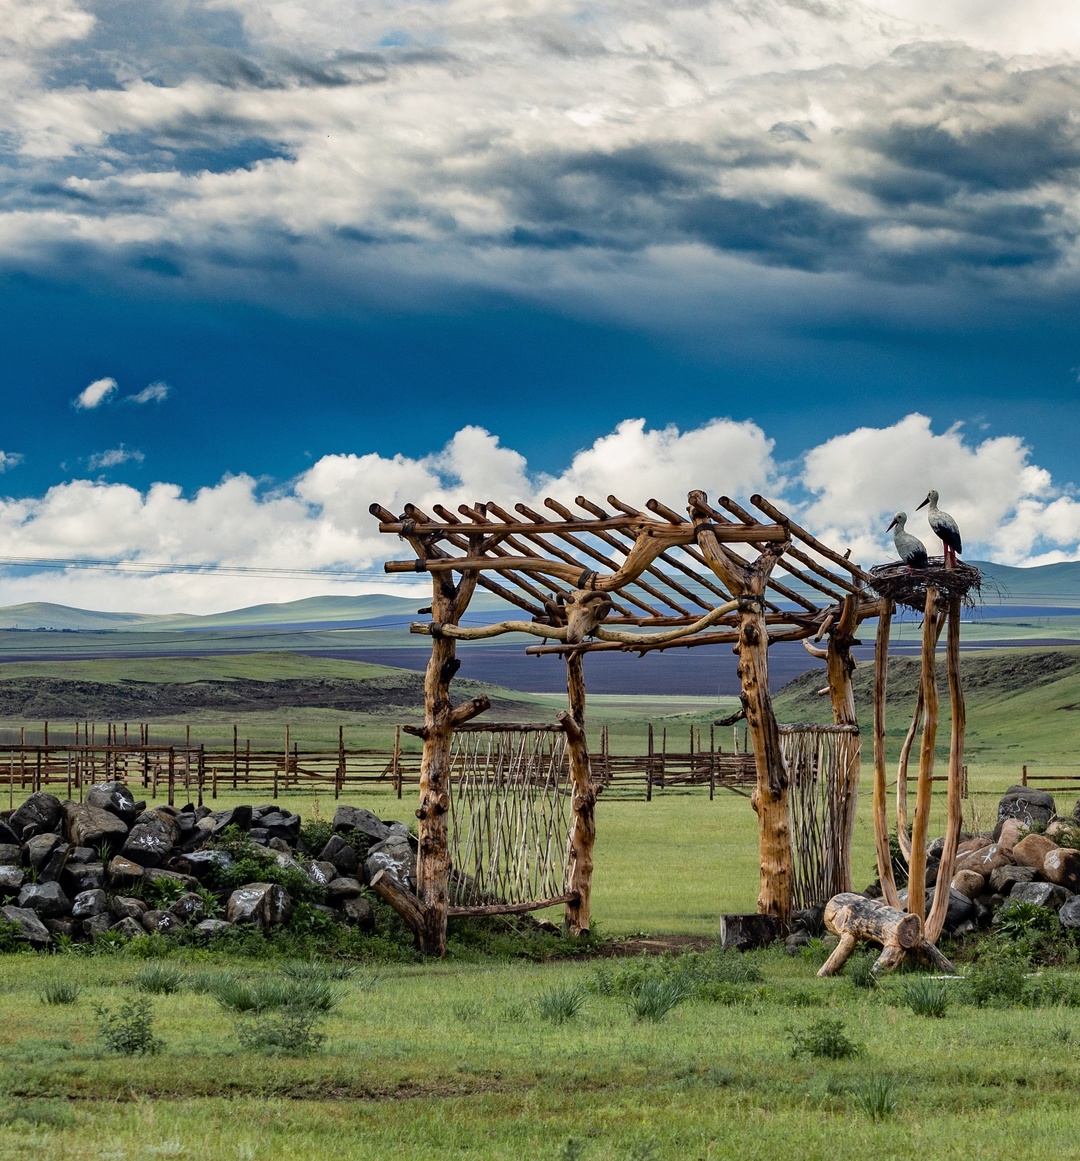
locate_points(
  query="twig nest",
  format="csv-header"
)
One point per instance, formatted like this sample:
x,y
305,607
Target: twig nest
x,y
907,586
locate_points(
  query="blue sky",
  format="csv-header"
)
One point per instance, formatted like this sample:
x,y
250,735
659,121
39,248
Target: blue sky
x,y
328,252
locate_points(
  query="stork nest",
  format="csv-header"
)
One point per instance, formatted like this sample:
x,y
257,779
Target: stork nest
x,y
907,586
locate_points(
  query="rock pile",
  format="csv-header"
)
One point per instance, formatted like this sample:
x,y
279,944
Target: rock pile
x,y
80,869
1020,860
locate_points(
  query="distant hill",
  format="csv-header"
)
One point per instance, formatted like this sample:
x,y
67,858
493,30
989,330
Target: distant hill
x,y
1046,584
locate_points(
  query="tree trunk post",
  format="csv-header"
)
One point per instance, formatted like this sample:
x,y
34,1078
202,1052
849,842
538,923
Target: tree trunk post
x,y
881,819
583,831
840,665
921,822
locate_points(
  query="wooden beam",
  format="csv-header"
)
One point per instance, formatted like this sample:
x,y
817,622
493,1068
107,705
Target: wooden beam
x,y
881,819
509,908
824,550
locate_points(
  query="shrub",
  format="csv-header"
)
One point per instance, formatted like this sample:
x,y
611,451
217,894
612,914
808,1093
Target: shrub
x,y
272,992
824,1038
860,971
160,894
128,1031
315,834
875,1098
54,1113
1020,920
926,996
699,974
560,1004
656,997
996,982
252,863
160,979
9,938
292,1031
60,992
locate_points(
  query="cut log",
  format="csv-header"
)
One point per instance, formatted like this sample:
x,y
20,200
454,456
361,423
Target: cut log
x,y
854,918
745,932
389,890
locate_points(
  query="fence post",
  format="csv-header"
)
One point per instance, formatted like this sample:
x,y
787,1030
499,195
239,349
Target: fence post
x,y
172,775
1024,779
339,780
201,772
235,755
397,759
712,763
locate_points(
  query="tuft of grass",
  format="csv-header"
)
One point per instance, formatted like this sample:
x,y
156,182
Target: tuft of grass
x,y
292,1031
318,969
60,992
160,979
825,1039
656,997
560,1004
271,992
926,996
54,1113
876,1098
860,971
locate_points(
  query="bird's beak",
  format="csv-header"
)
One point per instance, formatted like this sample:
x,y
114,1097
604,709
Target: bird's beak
x,y
892,525
924,503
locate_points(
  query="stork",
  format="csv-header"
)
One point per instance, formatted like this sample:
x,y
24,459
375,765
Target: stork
x,y
910,549
945,529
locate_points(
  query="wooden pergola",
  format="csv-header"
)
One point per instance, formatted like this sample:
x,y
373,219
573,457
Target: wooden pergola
x,y
616,577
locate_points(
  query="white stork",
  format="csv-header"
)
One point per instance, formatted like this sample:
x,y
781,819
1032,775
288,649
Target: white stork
x,y
945,529
910,549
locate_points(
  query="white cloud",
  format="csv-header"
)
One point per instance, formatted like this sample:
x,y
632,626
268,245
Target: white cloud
x,y
114,457
845,490
94,395
154,393
9,460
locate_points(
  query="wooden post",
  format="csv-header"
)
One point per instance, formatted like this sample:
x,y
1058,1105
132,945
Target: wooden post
x,y
747,583
172,776
583,832
881,818
235,755
1023,779
397,760
712,763
201,774
921,823
936,920
840,665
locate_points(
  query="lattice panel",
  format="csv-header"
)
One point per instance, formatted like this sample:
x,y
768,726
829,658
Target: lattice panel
x,y
510,816
819,806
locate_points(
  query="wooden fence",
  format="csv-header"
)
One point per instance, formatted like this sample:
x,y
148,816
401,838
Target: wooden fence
x,y
1056,779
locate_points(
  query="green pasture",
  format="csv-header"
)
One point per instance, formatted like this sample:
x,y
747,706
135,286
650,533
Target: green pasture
x,y
458,1059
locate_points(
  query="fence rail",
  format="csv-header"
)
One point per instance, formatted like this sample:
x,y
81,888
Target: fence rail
x,y
1067,782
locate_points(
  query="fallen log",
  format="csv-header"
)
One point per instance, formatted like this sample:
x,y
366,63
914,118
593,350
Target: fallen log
x,y
854,917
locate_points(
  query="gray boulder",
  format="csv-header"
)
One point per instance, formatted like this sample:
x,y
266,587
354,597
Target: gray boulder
x,y
96,925
129,928
63,925
11,880
151,839
1003,878
396,856
124,873
210,927
91,826
8,837
51,871
1070,912
355,818
38,850
281,825
239,816
1041,894
10,854
202,864
189,908
318,872
1034,808
47,899
87,904
161,923
39,814
115,798
261,904
341,889
79,877
30,928
341,854
83,855
358,910
125,907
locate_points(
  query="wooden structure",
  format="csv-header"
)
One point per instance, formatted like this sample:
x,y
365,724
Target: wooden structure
x,y
939,593
623,578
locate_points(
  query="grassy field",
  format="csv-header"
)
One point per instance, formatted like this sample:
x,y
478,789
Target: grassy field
x,y
459,1059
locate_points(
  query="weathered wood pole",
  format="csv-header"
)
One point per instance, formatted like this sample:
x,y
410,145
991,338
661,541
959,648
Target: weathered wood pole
x,y
921,821
583,831
881,819
958,724
839,666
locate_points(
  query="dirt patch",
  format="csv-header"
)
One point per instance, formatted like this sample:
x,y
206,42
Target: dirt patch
x,y
657,945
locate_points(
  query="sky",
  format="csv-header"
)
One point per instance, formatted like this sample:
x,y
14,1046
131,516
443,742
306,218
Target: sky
x,y
263,262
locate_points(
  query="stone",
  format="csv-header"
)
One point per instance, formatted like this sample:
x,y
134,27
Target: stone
x,y
396,856
959,910
1012,831
96,925
10,854
260,835
239,816
91,826
984,860
114,797
129,928
747,931
341,889
30,928
82,877
1002,879
210,927
189,908
53,869
1031,851
125,907
87,904
38,850
63,925
156,875
281,825
39,814
320,873
47,899
11,880
358,911
280,845
123,872
341,854
1070,912
8,837
973,843
797,941
932,868
82,855
262,904
969,883
1034,808
1062,866
203,864
1041,894
355,818
161,923
152,838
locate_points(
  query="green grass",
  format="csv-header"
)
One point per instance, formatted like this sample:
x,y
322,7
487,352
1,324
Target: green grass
x,y
457,1059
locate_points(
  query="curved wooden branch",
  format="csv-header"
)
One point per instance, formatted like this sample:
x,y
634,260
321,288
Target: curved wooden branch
x,y
814,651
881,820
